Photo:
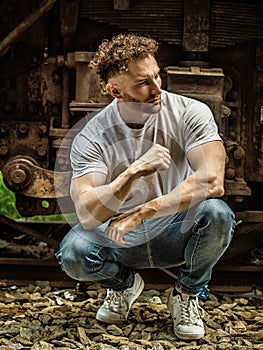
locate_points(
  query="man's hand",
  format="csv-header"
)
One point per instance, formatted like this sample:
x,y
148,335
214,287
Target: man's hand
x,y
95,201
130,219
157,158
122,224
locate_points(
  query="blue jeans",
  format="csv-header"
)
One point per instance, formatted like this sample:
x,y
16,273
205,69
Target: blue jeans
x,y
195,239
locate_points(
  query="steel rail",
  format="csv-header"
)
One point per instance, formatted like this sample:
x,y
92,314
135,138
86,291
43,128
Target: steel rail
x,y
226,277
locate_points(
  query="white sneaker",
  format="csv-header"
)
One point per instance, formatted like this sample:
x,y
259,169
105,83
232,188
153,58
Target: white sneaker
x,y
187,316
117,304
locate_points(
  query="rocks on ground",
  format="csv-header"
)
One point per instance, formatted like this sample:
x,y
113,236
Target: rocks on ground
x,y
38,317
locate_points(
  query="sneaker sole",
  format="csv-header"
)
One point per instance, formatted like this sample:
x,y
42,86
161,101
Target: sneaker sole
x,y
188,336
109,320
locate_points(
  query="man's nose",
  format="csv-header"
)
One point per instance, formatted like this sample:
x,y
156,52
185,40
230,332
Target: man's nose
x,y
155,86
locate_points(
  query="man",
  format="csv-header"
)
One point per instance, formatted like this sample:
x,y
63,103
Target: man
x,y
147,173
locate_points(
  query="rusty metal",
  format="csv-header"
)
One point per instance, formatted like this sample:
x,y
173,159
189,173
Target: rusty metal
x,y
89,95
205,84
65,120
121,5
30,139
30,206
226,278
69,19
250,216
23,175
247,236
47,87
196,20
12,37
23,271
208,85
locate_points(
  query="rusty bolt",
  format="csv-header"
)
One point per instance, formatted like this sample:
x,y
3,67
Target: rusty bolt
x,y
41,151
23,128
18,175
238,153
4,128
3,150
230,173
33,108
233,95
232,134
226,111
57,77
239,199
42,129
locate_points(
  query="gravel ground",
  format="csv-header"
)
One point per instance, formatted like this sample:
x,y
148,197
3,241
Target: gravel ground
x,y
39,317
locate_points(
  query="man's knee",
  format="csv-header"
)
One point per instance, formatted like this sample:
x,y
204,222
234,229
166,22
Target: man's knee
x,y
216,214
218,211
78,257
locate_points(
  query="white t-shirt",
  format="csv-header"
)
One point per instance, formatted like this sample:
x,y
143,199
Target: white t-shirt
x,y
107,145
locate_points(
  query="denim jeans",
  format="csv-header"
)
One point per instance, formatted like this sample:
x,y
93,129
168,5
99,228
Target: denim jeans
x,y
194,239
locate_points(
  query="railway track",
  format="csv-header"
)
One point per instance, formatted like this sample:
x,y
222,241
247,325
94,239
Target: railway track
x,y
229,275
226,277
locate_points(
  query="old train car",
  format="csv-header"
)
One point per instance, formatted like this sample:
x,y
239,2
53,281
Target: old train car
x,y
211,50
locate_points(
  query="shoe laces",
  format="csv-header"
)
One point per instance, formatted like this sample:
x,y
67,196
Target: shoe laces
x,y
114,300
191,312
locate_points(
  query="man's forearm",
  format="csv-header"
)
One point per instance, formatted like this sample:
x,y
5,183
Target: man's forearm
x,y
95,205
190,192
95,202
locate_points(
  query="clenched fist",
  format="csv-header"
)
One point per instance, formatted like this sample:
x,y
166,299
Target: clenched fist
x,y
157,158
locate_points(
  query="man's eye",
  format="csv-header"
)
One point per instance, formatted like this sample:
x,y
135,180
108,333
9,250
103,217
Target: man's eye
x,y
143,82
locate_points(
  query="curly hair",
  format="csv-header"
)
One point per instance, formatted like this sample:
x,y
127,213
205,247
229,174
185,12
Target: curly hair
x,y
114,55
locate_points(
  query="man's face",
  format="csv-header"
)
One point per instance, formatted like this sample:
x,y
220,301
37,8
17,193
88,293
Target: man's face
x,y
140,87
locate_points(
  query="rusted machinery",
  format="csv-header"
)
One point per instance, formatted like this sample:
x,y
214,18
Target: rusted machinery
x,y
211,50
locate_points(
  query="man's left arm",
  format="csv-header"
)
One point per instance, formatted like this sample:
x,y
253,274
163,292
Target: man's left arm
x,y
207,181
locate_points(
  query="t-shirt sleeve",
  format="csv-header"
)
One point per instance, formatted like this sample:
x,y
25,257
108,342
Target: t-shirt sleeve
x,y
199,125
86,157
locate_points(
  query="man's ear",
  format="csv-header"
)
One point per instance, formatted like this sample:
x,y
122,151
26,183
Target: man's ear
x,y
112,89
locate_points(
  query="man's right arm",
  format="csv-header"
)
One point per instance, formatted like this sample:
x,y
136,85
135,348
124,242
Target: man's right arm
x,y
96,202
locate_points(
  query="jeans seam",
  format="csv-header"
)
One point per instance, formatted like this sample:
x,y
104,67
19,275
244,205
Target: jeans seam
x,y
148,246
191,267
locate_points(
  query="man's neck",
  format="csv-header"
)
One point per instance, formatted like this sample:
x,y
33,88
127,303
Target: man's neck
x,y
134,119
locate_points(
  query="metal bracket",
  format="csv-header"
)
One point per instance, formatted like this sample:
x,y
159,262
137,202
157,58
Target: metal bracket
x,y
23,176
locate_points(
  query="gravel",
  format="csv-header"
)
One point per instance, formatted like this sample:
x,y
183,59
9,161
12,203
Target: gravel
x,y
39,317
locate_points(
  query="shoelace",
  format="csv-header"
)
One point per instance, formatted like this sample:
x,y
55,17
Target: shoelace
x,y
191,312
114,300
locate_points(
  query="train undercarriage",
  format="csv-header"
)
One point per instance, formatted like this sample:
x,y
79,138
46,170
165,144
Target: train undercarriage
x,y
211,50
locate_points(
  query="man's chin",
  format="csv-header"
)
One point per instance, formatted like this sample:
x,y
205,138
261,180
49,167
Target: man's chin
x,y
156,108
